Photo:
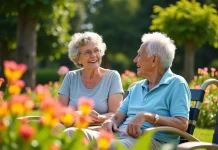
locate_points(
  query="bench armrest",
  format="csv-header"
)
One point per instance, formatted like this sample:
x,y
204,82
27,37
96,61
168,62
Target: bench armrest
x,y
181,133
197,145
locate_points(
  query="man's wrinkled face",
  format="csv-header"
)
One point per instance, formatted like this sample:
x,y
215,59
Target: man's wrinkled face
x,y
143,62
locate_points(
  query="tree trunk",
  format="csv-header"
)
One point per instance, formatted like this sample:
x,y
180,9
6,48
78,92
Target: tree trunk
x,y
189,61
26,45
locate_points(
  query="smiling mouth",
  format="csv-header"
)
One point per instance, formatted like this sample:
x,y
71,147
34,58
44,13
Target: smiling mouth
x,y
93,61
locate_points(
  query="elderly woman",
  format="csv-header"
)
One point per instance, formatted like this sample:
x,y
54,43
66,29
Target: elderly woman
x,y
91,80
161,99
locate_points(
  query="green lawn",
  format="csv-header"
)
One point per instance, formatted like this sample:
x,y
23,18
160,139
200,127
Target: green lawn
x,y
205,135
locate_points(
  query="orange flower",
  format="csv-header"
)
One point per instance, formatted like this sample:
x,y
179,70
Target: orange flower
x,y
215,99
67,116
85,141
50,106
85,105
49,120
197,87
56,84
123,76
195,78
199,71
14,71
17,109
41,92
28,90
21,104
54,147
3,125
213,69
130,73
26,131
4,109
15,86
206,102
82,121
1,81
214,87
104,139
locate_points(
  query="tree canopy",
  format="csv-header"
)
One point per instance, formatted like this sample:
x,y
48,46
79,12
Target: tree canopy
x,y
29,13
190,24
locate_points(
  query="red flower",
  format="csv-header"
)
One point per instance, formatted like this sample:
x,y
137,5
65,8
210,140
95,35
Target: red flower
x,y
26,131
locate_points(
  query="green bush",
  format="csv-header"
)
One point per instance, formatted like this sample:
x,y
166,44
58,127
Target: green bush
x,y
128,77
44,75
209,107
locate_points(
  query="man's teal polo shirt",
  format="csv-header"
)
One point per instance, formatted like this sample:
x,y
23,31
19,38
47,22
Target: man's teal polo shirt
x,y
170,98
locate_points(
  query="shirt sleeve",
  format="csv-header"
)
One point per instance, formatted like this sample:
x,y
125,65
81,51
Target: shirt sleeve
x,y
65,86
125,104
180,104
116,85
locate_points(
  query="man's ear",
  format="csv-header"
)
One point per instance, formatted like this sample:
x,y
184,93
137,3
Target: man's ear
x,y
155,61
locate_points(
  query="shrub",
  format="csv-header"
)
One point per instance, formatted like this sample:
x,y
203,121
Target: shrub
x,y
128,77
209,107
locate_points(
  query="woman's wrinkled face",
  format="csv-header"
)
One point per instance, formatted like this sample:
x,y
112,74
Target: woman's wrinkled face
x,y
89,56
143,62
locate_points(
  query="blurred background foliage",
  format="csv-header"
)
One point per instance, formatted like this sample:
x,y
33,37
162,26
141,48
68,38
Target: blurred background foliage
x,y
120,22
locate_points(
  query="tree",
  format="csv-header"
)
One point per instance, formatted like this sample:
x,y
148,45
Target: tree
x,y
189,24
28,13
7,39
121,23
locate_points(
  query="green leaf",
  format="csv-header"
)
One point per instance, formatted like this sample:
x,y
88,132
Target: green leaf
x,y
144,141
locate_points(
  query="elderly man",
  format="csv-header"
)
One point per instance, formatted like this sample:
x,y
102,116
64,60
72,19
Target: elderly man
x,y
161,99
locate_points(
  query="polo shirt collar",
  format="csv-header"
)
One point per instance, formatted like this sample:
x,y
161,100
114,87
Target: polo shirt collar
x,y
164,79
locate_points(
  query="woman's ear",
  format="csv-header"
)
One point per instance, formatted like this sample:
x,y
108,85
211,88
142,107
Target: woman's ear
x,y
78,60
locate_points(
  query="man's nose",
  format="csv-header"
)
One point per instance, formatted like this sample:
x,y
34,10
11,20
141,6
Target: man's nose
x,y
135,60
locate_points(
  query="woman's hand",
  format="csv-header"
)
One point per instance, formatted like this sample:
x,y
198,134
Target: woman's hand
x,y
94,116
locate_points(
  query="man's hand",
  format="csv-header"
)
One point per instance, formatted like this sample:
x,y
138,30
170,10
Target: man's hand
x,y
109,126
133,127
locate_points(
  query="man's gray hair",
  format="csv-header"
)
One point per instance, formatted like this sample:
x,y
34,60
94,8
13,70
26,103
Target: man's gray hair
x,y
160,44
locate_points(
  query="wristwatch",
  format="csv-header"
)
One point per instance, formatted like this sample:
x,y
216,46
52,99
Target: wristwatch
x,y
156,118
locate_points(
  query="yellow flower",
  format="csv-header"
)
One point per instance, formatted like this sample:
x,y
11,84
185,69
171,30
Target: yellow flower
x,y
104,139
4,109
215,99
17,109
14,89
214,87
13,71
85,105
49,120
1,81
82,122
67,119
15,86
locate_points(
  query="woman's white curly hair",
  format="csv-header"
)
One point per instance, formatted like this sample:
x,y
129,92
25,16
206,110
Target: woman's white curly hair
x,y
160,44
81,39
